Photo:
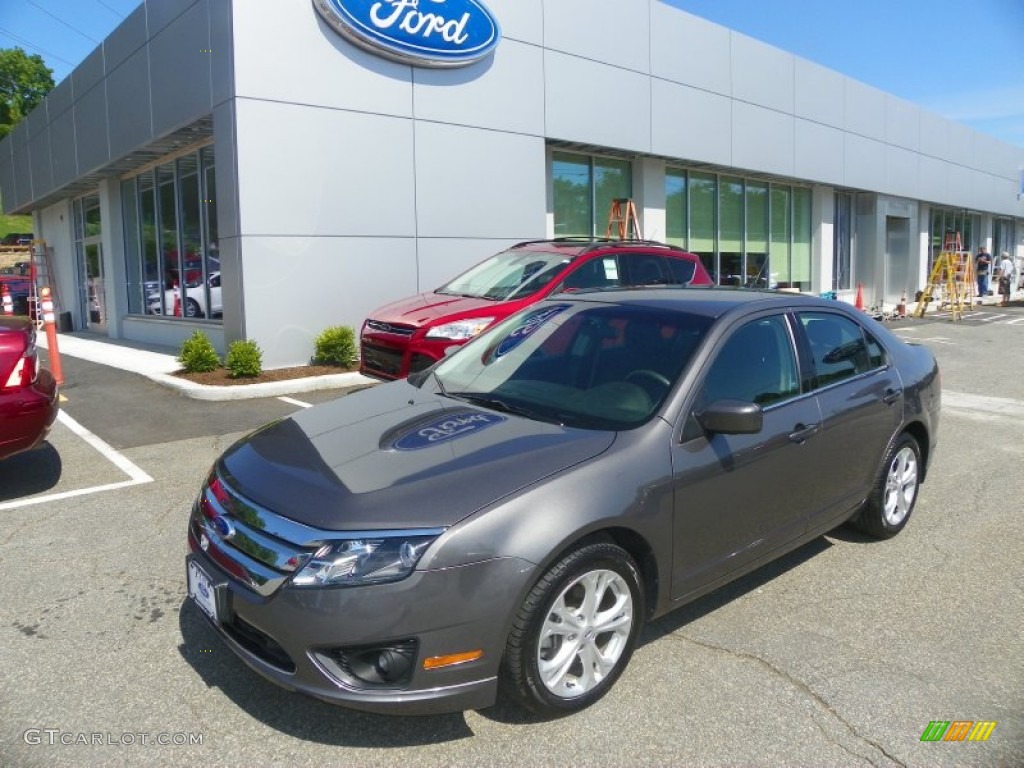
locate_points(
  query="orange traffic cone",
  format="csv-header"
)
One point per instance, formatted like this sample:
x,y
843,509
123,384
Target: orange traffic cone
x,y
901,308
859,301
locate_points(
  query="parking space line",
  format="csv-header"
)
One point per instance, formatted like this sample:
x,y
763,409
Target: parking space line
x,y
136,475
293,401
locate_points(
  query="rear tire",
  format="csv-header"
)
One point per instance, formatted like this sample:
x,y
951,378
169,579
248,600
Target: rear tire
x,y
888,508
575,632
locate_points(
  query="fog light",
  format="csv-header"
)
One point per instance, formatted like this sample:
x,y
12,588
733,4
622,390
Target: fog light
x,y
393,665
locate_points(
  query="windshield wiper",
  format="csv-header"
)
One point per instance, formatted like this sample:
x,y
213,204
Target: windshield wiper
x,y
497,404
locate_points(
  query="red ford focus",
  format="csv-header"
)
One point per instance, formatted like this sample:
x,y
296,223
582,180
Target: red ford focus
x,y
28,392
411,334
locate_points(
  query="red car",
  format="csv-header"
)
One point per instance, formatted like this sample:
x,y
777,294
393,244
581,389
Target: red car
x,y
28,393
412,334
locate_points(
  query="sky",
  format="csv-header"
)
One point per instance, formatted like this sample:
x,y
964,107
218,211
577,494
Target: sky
x,y
963,59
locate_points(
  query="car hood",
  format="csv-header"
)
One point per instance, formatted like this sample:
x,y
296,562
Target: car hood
x,y
425,308
395,457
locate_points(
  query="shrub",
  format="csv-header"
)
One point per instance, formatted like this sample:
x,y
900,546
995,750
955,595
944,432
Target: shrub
x,y
198,355
244,359
335,346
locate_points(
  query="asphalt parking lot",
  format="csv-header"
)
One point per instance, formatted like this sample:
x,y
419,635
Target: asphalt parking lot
x,y
841,653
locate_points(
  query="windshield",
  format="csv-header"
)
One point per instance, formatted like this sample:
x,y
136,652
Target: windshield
x,y
507,275
585,365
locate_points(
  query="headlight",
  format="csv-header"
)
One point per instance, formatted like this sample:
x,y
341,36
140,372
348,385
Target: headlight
x,y
367,560
461,330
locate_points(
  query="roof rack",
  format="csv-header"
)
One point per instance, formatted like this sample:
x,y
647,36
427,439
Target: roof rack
x,y
599,242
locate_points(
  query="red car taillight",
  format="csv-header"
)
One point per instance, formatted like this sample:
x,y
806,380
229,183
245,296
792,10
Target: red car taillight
x,y
25,370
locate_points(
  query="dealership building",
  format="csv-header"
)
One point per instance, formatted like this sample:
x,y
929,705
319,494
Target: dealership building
x,y
263,170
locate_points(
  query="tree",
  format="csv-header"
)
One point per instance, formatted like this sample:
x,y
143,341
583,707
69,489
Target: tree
x,y
24,82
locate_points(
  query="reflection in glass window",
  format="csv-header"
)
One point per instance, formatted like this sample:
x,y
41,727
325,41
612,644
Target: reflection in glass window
x,y
842,258
730,231
838,347
170,218
583,190
756,244
703,222
675,207
800,270
756,364
781,235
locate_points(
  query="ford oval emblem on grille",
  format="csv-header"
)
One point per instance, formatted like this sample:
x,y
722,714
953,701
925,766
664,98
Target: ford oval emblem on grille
x,y
222,526
432,33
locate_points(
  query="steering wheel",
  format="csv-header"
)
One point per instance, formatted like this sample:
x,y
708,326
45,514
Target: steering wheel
x,y
647,373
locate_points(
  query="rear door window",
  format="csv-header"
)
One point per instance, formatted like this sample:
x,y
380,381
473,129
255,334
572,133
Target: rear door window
x,y
840,348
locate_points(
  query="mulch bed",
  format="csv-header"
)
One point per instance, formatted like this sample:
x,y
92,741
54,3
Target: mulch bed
x,y
220,376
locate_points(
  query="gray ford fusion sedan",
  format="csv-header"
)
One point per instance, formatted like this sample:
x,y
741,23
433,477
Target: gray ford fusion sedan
x,y
508,519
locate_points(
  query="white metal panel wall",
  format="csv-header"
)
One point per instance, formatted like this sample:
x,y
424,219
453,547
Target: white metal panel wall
x,y
762,74
521,20
617,33
596,103
295,57
334,173
690,123
818,93
818,152
690,50
505,93
762,139
493,186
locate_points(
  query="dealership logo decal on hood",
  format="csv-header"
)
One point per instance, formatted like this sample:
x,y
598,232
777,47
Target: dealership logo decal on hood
x,y
447,427
431,33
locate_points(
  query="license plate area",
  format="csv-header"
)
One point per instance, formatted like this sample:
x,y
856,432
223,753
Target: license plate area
x,y
208,596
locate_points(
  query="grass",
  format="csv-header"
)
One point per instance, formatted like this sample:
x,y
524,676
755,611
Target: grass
x,y
10,224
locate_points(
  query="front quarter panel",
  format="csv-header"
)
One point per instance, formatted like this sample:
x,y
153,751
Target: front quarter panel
x,y
626,489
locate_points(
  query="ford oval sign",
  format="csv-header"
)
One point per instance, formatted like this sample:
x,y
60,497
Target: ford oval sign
x,y
450,426
431,33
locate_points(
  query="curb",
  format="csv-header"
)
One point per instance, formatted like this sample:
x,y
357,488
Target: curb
x,y
265,389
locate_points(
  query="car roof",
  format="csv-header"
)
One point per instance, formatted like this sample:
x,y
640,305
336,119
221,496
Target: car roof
x,y
710,301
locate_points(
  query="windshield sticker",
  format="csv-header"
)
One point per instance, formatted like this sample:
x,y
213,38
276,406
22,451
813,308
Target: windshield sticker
x,y
527,329
443,429
611,269
430,33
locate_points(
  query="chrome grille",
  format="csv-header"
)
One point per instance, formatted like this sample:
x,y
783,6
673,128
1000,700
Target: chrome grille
x,y
394,328
261,548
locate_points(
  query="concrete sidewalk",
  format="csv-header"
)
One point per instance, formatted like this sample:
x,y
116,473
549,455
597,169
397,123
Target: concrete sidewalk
x,y
157,364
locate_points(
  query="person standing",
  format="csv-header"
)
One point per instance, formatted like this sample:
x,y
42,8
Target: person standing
x,y
982,264
1006,271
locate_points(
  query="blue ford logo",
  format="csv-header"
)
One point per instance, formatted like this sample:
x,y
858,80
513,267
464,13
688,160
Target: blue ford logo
x,y
432,33
222,526
445,428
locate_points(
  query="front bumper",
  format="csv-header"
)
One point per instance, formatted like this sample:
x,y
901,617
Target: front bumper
x,y
387,356
292,636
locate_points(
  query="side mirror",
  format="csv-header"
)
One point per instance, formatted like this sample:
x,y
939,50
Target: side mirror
x,y
731,417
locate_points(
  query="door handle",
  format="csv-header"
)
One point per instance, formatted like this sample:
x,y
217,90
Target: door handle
x,y
802,432
891,396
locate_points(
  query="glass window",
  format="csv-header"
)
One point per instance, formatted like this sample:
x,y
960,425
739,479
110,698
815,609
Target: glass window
x,y
730,231
133,262
781,236
612,179
170,214
801,260
675,207
757,236
572,195
756,364
703,222
838,347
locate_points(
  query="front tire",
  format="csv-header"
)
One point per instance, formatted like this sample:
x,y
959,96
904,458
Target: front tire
x,y
888,508
575,631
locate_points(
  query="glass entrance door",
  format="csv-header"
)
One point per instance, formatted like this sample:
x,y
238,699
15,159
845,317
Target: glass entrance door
x,y
95,303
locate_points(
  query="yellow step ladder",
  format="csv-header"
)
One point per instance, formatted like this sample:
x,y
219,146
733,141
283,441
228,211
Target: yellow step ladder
x,y
951,280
